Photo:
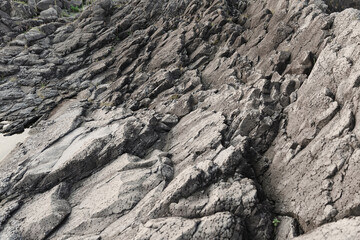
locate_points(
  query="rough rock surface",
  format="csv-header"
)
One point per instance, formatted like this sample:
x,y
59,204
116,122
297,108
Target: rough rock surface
x,y
180,119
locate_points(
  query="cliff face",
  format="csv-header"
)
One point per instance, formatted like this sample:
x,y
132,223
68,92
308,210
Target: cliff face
x,y
180,119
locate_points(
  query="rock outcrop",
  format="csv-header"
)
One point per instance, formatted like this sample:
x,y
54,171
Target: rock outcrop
x,y
180,119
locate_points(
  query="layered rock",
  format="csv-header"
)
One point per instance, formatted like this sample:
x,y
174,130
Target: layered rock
x,y
180,120
316,155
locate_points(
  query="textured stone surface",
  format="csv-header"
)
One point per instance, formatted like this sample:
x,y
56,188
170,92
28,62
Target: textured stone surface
x,y
180,119
321,146
346,229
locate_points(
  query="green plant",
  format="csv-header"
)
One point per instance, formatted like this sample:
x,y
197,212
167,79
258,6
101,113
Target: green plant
x,y
74,9
36,29
174,97
106,104
21,2
230,19
40,94
88,2
119,5
64,14
215,42
276,222
197,18
314,59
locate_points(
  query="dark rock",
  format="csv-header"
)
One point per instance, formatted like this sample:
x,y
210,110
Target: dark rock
x,y
337,6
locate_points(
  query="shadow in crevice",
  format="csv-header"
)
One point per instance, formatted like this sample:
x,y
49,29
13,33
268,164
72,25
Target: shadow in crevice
x,y
339,5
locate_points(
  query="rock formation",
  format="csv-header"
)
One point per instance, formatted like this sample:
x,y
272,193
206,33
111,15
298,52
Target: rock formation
x,y
180,119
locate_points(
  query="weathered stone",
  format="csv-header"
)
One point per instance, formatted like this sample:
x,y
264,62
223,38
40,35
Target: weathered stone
x,y
287,228
46,4
179,119
49,14
343,229
6,70
37,218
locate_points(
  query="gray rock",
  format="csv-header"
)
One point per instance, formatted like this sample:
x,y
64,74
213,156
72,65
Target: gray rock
x,y
40,216
179,119
287,228
46,4
6,70
343,229
49,14
22,10
77,3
